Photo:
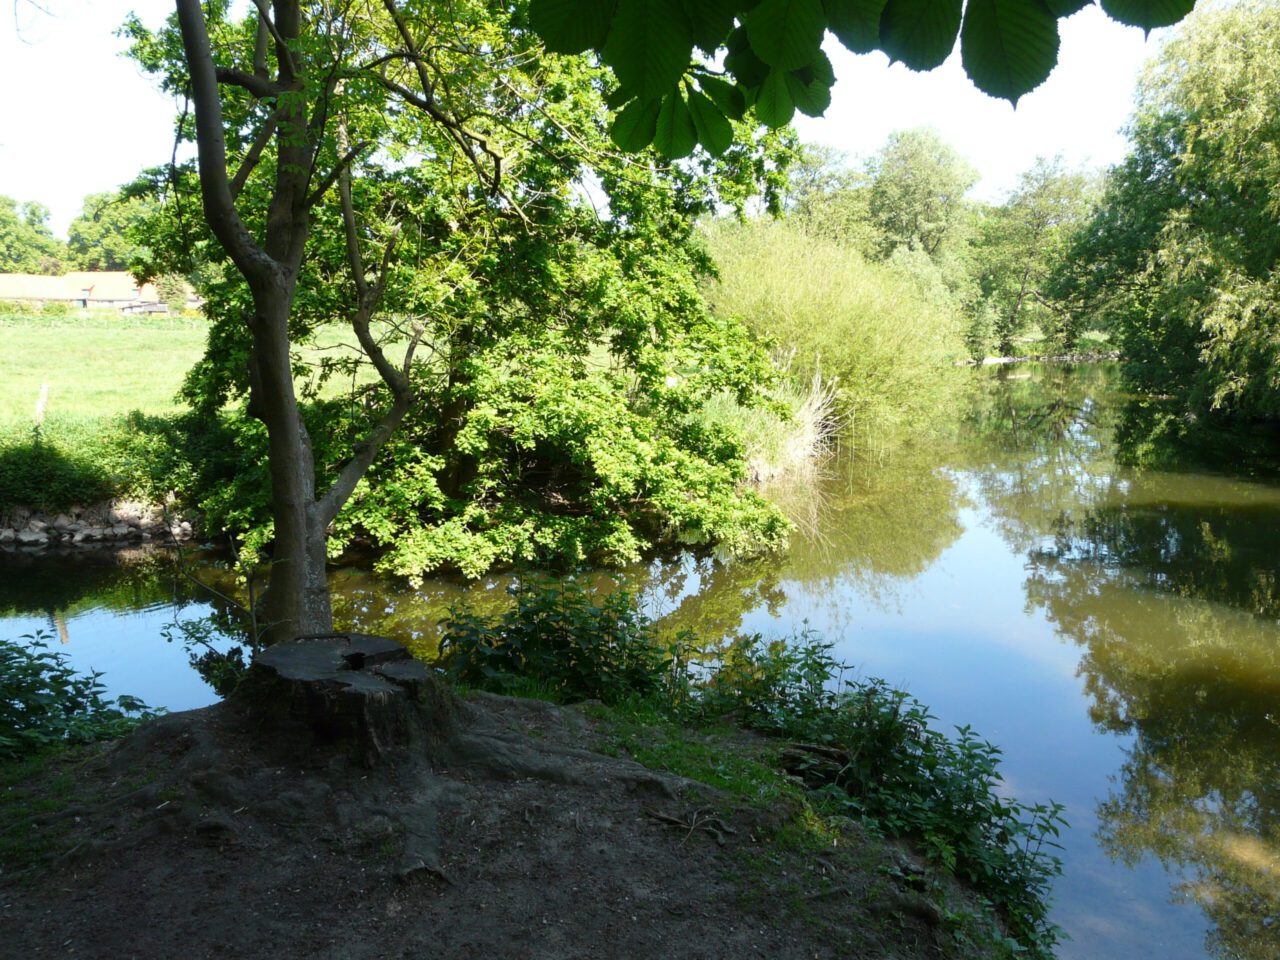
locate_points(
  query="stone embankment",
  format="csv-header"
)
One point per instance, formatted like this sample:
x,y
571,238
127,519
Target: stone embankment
x,y
115,523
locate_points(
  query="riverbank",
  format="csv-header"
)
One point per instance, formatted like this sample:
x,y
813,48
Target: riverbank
x,y
112,522
530,832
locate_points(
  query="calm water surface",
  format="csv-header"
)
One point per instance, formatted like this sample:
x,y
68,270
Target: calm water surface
x,y
1116,632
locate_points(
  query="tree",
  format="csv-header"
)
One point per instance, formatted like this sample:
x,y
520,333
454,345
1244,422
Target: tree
x,y
26,243
1182,257
916,192
487,265
104,236
1020,245
302,99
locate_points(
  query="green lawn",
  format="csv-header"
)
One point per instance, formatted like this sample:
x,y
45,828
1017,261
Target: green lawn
x,y
94,366
106,364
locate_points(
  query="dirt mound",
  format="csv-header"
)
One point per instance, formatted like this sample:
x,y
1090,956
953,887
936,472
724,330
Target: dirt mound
x,y
505,835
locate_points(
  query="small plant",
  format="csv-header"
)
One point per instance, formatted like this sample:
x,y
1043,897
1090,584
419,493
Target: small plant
x,y
869,751
45,704
558,642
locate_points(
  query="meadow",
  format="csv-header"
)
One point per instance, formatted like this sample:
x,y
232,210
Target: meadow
x,y
98,364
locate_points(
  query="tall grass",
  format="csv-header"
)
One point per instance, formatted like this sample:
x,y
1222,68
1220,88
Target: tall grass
x,y
866,327
781,447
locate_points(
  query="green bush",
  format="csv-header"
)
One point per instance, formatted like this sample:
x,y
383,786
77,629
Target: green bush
x,y
40,475
881,761
883,332
45,704
558,642
74,461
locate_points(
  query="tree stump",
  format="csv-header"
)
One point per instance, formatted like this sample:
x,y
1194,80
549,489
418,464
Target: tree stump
x,y
351,694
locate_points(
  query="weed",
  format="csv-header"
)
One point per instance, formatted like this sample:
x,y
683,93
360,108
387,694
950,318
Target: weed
x,y
45,705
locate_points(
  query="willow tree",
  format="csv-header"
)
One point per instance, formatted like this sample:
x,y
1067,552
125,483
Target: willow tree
x,y
290,112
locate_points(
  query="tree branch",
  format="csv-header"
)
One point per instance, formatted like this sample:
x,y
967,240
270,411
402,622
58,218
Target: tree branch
x,y
254,155
282,49
211,149
261,87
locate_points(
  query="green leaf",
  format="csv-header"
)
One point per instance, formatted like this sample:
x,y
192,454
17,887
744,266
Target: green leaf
x,y
571,26
920,33
676,135
711,21
649,45
1008,46
812,98
774,104
618,97
785,33
1148,14
634,128
715,132
855,22
819,69
741,61
1065,8
725,95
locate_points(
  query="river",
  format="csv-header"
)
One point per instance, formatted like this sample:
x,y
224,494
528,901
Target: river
x,y
1116,632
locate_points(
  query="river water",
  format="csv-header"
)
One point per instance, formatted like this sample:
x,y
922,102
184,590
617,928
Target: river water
x,y
1116,632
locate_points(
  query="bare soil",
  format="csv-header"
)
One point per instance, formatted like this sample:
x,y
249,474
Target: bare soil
x,y
199,837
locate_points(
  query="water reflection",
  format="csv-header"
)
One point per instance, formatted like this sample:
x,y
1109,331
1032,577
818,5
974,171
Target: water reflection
x,y
1167,582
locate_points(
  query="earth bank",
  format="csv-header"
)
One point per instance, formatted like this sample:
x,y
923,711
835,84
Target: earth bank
x,y
504,832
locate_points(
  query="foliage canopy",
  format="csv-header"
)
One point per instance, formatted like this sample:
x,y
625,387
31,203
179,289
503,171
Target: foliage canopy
x,y
669,94
1183,254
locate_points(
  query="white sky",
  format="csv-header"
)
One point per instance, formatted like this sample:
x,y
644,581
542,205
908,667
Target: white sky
x,y
78,118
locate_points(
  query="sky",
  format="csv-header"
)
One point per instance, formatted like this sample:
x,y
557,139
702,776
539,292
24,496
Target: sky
x,y
78,118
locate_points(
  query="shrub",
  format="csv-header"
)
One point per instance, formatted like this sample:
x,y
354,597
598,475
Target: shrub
x,y
38,474
45,704
559,642
877,329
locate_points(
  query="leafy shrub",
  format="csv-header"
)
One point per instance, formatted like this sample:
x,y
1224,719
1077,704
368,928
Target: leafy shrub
x,y
558,641
885,332
882,761
38,474
45,704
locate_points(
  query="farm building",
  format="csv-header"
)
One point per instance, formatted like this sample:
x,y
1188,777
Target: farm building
x,y
106,290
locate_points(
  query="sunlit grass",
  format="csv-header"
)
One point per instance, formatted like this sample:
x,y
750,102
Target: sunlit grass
x,y
93,366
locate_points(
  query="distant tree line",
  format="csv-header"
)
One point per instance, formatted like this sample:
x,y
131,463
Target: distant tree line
x,y
105,236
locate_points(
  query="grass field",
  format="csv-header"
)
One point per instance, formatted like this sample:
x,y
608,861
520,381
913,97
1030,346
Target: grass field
x,y
104,364
94,366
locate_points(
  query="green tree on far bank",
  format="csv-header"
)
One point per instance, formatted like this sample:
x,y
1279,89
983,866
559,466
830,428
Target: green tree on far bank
x,y
105,234
1018,245
915,192
1182,257
27,245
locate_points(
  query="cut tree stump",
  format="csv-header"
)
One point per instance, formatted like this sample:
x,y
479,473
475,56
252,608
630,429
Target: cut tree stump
x,y
350,694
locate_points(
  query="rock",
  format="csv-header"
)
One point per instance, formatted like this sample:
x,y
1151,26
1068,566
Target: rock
x,y
33,538
7,535
120,531
62,522
37,526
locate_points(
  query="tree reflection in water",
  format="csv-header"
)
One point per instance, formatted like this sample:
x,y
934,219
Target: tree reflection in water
x,y
1168,583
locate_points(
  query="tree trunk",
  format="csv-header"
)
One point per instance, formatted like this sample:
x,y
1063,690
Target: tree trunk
x,y
297,597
